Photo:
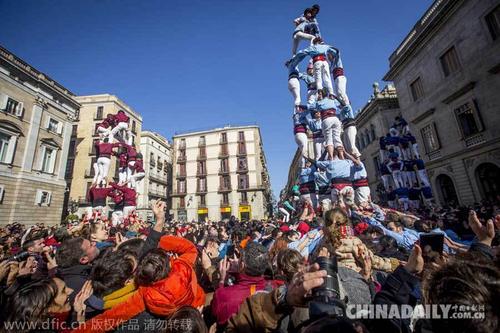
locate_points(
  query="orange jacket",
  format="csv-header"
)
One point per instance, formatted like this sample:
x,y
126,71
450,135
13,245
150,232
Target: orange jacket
x,y
163,297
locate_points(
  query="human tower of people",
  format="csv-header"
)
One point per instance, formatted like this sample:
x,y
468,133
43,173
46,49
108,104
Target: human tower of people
x,y
336,177
115,139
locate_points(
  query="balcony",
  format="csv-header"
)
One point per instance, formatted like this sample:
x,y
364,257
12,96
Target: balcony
x,y
244,202
201,157
202,144
225,203
224,154
224,171
181,175
181,158
201,173
241,152
181,206
179,193
225,189
158,177
158,194
201,190
202,205
242,170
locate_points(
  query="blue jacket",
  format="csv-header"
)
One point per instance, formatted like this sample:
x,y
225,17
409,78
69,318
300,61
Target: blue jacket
x,y
309,80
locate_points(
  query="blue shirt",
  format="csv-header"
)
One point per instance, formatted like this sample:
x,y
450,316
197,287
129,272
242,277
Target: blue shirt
x,y
406,239
312,51
402,192
300,118
321,179
306,175
323,105
309,80
427,192
358,171
346,113
420,164
336,168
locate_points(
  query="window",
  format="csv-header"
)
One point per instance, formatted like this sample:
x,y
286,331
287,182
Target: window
x,y
182,144
181,186
243,182
223,138
373,133
53,125
493,22
244,197
430,138
165,169
182,169
11,106
417,91
242,150
242,163
4,147
202,168
202,184
2,192
202,152
99,113
182,202
69,168
133,127
241,136
449,61
202,201
224,165
133,140
48,159
367,136
225,182
225,198
468,119
202,141
43,198
72,148
152,161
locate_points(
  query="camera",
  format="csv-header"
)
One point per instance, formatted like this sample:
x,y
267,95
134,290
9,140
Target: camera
x,y
325,300
21,256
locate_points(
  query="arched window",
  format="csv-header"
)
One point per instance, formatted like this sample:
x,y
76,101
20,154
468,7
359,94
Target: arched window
x,y
447,191
488,178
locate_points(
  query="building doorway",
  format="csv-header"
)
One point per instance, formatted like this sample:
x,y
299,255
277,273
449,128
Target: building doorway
x,y
446,188
488,178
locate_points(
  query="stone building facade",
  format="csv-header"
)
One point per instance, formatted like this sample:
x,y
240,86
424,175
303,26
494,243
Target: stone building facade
x,y
157,182
80,173
36,118
447,75
219,173
372,122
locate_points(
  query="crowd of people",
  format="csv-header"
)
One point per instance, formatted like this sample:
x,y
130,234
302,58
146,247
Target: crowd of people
x,y
316,267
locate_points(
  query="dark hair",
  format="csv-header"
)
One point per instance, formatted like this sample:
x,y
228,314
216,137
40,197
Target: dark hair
x,y
308,10
421,226
289,262
153,267
190,315
466,280
61,234
29,304
133,246
255,259
32,237
110,273
70,252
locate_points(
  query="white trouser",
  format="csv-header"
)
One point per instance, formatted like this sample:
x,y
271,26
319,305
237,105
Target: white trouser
x,y
350,134
312,96
362,194
122,175
298,37
301,140
414,148
403,203
322,76
294,88
412,176
422,176
340,89
331,128
98,210
312,198
96,172
406,153
406,179
103,164
135,178
117,217
325,202
119,127
104,132
342,197
130,170
386,179
128,210
398,180
286,214
318,148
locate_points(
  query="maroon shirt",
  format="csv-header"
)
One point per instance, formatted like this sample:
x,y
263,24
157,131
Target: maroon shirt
x,y
97,195
138,166
121,117
131,153
129,194
106,149
227,300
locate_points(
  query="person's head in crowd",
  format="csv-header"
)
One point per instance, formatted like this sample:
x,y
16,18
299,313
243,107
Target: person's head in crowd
x,y
289,262
33,243
255,260
422,226
292,235
279,244
392,217
255,236
61,234
111,272
76,251
34,302
187,320
98,232
223,236
212,247
395,226
276,233
408,221
132,246
308,13
315,10
154,267
212,231
466,281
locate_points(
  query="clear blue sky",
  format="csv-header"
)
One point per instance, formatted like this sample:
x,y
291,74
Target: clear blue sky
x,y
186,64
